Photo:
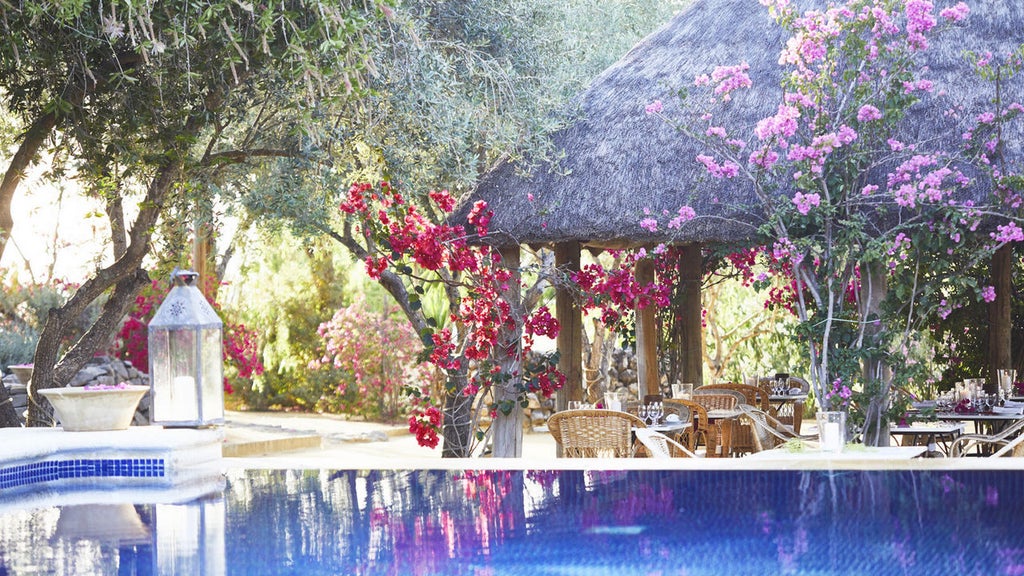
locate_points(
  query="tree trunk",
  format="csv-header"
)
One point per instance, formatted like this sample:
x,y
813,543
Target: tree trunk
x,y
872,292
127,278
8,415
204,258
877,375
457,423
30,145
508,424
1000,320
118,236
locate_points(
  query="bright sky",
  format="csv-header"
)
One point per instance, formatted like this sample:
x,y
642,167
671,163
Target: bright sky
x,y
55,229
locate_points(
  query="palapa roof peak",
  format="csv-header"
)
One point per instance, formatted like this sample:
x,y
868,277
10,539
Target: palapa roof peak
x,y
621,163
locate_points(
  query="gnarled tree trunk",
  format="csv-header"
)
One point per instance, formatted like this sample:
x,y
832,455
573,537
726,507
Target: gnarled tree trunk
x,y
457,425
507,433
127,278
15,173
8,415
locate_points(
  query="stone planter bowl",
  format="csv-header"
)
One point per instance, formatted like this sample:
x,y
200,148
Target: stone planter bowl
x,y
22,371
87,410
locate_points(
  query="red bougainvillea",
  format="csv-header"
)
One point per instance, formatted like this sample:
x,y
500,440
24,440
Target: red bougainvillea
x,y
241,347
421,253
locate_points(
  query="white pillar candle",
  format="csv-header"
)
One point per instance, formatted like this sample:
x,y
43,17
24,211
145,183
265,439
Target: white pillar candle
x,y
832,439
183,399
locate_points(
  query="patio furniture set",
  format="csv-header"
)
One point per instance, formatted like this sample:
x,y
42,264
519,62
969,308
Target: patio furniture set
x,y
723,420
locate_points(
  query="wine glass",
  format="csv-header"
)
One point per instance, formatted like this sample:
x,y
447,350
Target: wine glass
x,y
654,411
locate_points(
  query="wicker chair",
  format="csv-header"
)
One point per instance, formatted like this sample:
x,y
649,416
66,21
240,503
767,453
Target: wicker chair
x,y
791,413
768,431
740,398
753,395
660,446
712,400
741,433
717,438
696,415
677,407
1009,442
594,433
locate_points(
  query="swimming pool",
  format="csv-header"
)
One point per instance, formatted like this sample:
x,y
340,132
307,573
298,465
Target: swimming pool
x,y
537,522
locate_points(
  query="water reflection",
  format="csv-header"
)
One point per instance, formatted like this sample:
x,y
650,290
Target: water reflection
x,y
541,522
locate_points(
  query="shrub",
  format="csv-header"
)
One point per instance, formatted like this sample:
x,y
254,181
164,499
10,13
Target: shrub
x,y
371,357
17,343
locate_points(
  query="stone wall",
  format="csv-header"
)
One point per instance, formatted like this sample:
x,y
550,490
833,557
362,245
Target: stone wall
x,y
100,370
621,377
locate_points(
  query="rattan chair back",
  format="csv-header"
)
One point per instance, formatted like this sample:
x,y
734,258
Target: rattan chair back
x,y
712,400
753,395
594,433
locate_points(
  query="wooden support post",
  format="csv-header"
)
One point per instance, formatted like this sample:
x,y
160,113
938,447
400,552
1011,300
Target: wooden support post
x,y
570,334
691,274
1000,321
646,336
507,433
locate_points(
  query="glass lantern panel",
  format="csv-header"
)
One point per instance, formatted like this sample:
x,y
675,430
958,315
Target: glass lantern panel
x,y
159,371
182,401
213,375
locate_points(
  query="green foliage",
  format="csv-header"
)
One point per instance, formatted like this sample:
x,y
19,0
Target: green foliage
x,y
454,87
961,339
287,288
23,312
17,344
744,337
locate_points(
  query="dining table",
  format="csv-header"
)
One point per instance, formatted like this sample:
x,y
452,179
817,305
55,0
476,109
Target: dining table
x,y
933,435
815,458
984,422
670,428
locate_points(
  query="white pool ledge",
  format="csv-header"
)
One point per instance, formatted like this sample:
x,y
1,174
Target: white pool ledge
x,y
139,457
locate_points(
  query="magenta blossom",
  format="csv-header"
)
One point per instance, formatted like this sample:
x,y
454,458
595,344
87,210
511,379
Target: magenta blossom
x,y
868,113
988,293
1008,233
726,169
955,13
685,214
804,202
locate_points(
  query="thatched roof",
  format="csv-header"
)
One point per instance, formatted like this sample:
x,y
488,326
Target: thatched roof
x,y
620,161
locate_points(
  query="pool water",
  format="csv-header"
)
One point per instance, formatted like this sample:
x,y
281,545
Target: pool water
x,y
433,522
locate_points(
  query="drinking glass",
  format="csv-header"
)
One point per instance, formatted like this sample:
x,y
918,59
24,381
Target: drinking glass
x,y
654,410
1006,378
684,391
641,412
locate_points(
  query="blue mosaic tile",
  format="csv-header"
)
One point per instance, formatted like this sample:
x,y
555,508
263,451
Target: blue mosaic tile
x,y
23,474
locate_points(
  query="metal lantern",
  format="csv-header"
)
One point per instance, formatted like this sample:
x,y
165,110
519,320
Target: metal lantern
x,y
186,367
